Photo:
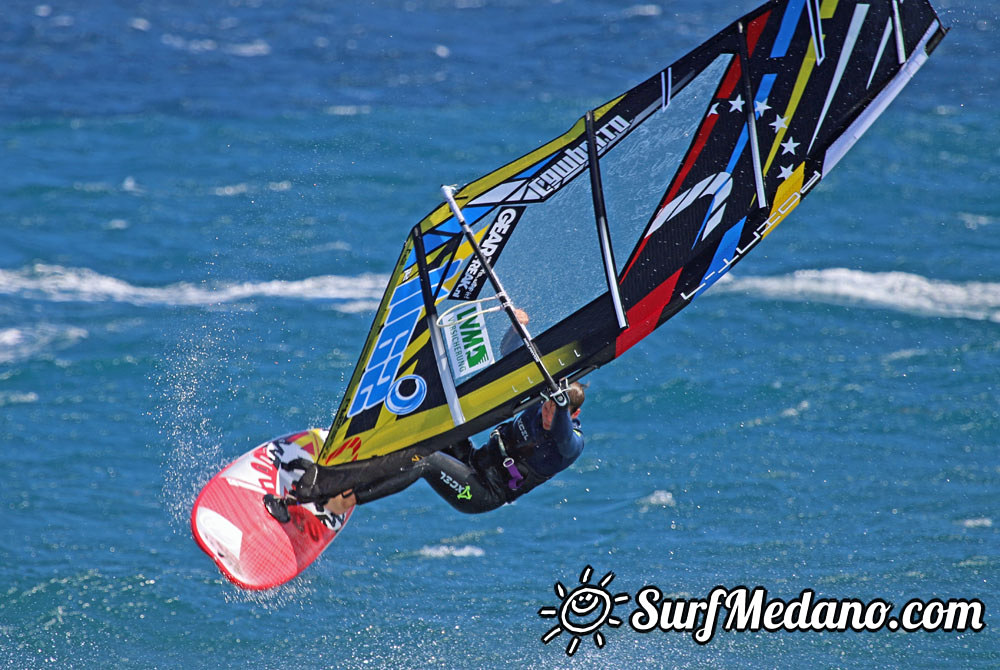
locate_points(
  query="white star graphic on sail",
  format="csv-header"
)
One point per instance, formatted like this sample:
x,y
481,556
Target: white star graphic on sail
x,y
737,104
760,107
778,123
786,172
714,109
789,147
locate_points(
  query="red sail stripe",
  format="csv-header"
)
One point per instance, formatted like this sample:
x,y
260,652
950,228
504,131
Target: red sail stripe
x,y
732,76
645,314
754,30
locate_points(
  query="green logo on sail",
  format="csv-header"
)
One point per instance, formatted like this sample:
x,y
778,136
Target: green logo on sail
x,y
473,341
469,342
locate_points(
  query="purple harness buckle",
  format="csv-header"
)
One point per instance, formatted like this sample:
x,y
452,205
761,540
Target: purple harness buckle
x,y
515,476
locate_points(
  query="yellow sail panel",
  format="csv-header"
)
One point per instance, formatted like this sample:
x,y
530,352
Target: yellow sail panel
x,y
786,199
392,342
389,437
519,382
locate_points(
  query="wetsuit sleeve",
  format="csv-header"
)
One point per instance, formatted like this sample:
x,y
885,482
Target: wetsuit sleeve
x,y
567,438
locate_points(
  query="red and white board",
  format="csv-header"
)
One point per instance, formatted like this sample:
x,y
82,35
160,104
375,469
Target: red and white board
x,y
230,523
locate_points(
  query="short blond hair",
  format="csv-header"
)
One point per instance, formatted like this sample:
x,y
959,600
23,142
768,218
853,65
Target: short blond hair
x,y
576,396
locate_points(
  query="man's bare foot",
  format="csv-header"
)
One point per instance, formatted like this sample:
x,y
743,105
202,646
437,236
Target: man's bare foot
x,y
342,503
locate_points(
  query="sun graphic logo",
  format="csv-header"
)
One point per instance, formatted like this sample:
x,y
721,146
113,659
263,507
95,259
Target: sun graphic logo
x,y
583,611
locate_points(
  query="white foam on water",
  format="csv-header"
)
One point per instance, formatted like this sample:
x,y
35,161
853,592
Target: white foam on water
x,y
60,284
348,110
898,291
19,344
982,522
643,10
448,551
15,398
196,46
249,49
659,498
231,190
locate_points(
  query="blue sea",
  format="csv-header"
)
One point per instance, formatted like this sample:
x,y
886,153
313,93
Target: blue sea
x,y
200,204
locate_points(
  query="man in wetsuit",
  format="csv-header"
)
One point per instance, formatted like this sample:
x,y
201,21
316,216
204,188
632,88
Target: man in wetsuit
x,y
520,455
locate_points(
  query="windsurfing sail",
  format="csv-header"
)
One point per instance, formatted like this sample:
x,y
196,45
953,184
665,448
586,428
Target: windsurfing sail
x,y
607,231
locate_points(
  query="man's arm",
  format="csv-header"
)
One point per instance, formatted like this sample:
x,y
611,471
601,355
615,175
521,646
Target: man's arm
x,y
568,438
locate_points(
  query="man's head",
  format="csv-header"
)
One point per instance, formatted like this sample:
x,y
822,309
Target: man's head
x,y
576,397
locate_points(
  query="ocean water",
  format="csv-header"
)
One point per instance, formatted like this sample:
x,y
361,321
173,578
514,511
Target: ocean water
x,y
199,207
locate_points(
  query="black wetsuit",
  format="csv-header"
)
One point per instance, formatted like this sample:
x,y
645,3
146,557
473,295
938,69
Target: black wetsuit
x,y
519,456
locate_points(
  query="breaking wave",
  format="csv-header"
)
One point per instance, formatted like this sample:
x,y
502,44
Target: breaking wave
x,y
898,291
59,284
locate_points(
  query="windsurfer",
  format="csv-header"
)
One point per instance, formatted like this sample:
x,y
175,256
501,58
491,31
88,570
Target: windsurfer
x,y
520,455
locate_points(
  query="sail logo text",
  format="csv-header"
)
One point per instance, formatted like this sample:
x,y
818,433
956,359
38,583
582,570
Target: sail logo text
x,y
469,342
575,159
472,280
464,492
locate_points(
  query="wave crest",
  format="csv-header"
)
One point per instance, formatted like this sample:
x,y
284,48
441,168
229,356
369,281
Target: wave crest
x,y
59,284
898,291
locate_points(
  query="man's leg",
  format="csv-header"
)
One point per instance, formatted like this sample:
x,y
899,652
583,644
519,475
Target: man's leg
x,y
450,478
459,484
462,450
392,484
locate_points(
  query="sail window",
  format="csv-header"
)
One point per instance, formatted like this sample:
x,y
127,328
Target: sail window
x,y
637,170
